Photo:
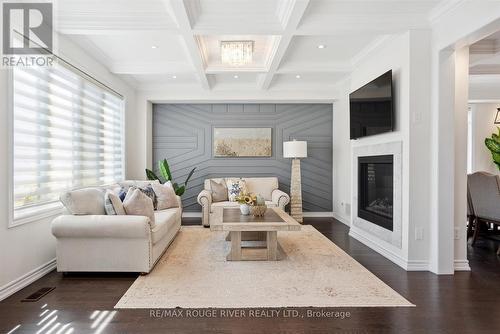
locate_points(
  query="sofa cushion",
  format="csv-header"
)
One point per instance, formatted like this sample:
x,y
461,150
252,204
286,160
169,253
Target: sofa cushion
x,y
219,191
263,186
165,221
138,204
113,204
86,201
165,196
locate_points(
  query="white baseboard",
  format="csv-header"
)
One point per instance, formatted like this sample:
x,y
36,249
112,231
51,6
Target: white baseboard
x,y
191,214
343,220
417,265
378,248
312,214
461,265
25,280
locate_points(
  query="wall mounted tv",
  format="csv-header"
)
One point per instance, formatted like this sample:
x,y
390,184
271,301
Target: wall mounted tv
x,y
371,108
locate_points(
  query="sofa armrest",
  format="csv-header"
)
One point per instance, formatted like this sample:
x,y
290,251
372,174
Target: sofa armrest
x,y
101,226
205,198
179,201
280,198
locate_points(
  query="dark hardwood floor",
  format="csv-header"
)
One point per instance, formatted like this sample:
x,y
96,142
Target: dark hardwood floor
x,y
468,302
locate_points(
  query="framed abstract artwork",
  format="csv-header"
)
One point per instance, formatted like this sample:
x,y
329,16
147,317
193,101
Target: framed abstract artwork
x,y
242,142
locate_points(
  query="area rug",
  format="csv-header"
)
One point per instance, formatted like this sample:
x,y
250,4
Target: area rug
x,y
194,273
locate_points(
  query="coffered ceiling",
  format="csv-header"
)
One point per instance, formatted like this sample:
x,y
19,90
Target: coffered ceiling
x,y
299,44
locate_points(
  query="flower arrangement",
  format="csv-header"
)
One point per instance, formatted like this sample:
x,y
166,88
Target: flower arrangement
x,y
251,203
246,198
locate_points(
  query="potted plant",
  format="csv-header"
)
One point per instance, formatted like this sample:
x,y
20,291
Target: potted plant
x,y
493,144
164,169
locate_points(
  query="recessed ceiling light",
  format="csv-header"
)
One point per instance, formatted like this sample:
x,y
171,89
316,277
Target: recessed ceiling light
x,y
297,76
236,77
174,76
154,47
321,46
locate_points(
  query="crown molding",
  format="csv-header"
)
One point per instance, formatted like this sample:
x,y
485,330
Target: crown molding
x,y
443,8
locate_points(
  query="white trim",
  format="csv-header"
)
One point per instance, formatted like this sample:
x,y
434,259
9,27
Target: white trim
x,y
366,240
36,216
442,9
313,214
343,220
25,280
10,150
461,265
417,265
191,214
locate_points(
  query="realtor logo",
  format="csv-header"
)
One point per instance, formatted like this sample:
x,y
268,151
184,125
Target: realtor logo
x,y
27,28
27,38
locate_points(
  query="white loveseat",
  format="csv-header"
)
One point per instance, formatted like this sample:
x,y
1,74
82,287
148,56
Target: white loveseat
x,y
113,243
267,187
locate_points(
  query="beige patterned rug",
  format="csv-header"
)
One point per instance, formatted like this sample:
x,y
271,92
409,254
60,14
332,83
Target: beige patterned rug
x,y
194,273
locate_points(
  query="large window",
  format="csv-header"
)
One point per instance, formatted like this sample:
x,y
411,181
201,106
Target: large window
x,y
67,133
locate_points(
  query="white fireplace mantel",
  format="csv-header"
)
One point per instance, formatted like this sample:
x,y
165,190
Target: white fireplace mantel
x,y
393,237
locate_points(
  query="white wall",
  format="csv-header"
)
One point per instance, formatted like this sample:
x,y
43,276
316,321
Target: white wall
x,y
26,248
464,23
342,156
483,118
408,57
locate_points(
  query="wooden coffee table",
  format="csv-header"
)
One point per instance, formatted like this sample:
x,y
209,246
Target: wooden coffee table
x,y
260,233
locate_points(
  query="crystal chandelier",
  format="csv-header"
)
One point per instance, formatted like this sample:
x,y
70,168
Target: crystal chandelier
x,y
236,53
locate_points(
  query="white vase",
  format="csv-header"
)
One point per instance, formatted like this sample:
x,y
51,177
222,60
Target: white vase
x,y
245,209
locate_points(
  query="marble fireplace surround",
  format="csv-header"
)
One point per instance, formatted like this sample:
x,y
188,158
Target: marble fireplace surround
x,y
395,149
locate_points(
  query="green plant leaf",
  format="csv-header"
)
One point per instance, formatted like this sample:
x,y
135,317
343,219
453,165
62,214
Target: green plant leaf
x,y
175,185
151,175
492,145
180,191
495,137
189,176
165,169
496,157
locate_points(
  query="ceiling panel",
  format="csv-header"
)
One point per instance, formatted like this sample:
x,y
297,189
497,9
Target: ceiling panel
x,y
306,81
230,16
303,51
139,46
80,16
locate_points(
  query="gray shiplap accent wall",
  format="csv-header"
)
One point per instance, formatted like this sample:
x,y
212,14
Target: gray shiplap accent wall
x,y
182,133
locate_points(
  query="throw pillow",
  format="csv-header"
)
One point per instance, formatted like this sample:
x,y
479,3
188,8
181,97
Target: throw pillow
x,y
86,201
234,188
112,204
148,191
219,191
138,204
165,195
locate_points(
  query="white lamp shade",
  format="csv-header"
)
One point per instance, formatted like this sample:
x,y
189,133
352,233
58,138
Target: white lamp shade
x,y
295,149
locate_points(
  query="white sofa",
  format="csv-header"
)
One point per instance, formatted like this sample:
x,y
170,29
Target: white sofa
x,y
267,187
113,243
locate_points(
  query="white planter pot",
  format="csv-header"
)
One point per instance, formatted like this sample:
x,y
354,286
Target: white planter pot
x,y
245,209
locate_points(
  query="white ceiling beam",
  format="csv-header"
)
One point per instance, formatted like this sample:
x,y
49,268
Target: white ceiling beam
x,y
184,20
294,15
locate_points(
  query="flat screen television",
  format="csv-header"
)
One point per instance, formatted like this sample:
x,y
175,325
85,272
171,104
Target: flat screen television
x,y
371,108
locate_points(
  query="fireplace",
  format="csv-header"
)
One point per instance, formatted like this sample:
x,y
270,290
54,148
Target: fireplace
x,y
376,190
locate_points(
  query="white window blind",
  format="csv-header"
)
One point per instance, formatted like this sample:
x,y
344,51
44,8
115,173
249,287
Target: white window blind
x,y
67,133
